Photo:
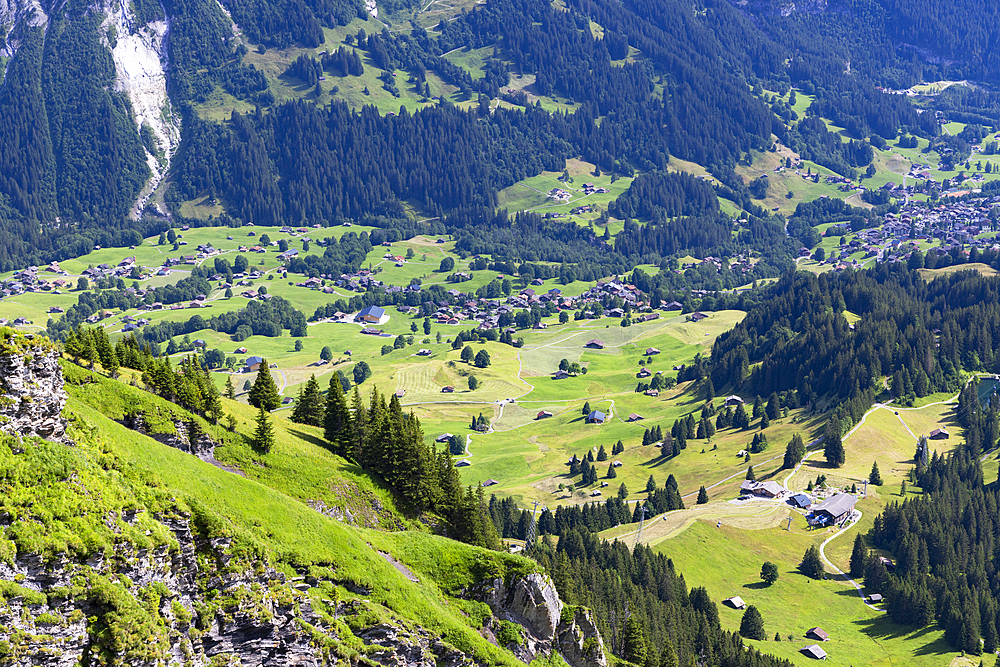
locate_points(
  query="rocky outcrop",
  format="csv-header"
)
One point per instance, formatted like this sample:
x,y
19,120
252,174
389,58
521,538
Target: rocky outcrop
x,y
185,435
533,603
31,388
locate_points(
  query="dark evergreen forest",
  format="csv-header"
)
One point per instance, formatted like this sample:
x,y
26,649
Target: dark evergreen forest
x,y
70,151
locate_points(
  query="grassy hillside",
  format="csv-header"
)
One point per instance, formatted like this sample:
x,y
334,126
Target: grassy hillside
x,y
260,507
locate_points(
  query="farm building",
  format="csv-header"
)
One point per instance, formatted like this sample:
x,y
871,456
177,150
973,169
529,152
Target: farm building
x,y
634,417
443,437
818,633
643,373
544,414
652,392
875,597
832,510
813,651
370,314
801,500
651,351
761,489
596,417
448,390
736,602
253,363
463,463
697,317
560,375
733,401
939,434
595,343
673,305
400,393
490,482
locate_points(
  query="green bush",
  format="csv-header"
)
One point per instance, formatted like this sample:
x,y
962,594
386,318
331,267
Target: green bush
x,y
509,633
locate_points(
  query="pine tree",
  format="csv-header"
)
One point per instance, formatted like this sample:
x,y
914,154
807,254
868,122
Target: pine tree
x,y
309,405
794,452
773,409
833,449
263,437
702,496
611,471
337,420
634,642
602,455
752,624
858,556
230,390
812,563
650,484
264,393
586,408
751,475
875,478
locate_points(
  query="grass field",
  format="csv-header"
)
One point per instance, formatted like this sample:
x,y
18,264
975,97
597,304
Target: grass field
x,y
727,561
722,545
527,456
978,267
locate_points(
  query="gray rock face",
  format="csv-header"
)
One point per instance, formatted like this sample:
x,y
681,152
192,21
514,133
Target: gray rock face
x,y
533,603
201,445
32,395
580,643
260,629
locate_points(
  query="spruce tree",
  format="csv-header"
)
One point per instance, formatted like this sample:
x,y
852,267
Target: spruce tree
x,y
263,436
309,406
264,393
812,563
602,455
650,484
833,447
751,475
634,643
337,418
794,452
875,478
858,556
611,471
230,390
702,496
773,409
752,624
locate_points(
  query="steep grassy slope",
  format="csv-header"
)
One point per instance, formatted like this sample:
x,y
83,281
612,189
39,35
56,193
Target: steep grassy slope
x,y
116,490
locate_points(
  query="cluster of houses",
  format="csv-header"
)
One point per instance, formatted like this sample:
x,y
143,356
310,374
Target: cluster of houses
x,y
952,226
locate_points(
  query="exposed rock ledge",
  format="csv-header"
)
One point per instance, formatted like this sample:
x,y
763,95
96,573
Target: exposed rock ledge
x,y
31,390
533,603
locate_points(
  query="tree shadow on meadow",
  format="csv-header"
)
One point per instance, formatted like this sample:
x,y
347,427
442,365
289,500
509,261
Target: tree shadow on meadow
x,y
882,628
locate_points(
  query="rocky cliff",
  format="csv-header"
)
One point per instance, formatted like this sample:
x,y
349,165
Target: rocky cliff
x,y
533,603
194,601
31,387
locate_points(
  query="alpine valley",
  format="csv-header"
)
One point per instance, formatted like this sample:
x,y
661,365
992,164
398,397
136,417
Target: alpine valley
x,y
424,333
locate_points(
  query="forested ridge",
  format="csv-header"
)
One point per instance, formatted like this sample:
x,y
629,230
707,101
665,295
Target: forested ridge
x,y
659,82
